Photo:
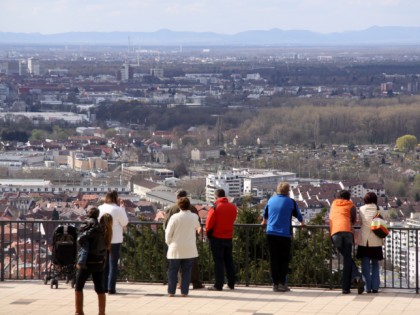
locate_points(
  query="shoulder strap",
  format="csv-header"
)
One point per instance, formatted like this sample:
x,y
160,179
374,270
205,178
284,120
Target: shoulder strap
x,y
215,206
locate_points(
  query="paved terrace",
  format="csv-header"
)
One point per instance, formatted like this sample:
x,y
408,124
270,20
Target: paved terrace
x,y
33,298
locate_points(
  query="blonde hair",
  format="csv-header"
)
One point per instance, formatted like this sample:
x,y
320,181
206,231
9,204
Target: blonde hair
x,y
283,188
106,224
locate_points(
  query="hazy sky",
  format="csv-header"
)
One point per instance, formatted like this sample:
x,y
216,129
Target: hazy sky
x,y
221,16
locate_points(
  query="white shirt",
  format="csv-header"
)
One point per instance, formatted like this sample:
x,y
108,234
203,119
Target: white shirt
x,y
119,220
180,235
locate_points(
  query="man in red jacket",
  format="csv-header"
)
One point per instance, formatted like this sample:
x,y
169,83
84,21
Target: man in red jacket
x,y
219,229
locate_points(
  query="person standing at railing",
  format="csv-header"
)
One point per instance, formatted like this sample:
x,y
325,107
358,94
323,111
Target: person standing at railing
x,y
342,216
277,216
369,248
120,220
219,229
180,236
195,273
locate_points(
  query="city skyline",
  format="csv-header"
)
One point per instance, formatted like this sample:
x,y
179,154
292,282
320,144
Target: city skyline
x,y
225,17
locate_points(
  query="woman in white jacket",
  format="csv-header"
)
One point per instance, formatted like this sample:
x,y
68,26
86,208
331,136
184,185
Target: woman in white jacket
x,y
120,220
369,248
180,236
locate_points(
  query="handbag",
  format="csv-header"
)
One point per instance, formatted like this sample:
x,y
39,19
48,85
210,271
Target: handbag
x,y
378,226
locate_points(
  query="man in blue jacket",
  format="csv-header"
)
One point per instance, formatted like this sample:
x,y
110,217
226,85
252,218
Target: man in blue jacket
x,y
278,217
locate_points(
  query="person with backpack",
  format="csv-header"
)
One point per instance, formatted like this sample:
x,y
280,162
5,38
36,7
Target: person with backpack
x,y
99,240
278,217
86,229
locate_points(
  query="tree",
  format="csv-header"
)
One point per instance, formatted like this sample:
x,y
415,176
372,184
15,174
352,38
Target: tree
x,y
38,134
180,169
251,254
406,143
143,252
14,135
311,254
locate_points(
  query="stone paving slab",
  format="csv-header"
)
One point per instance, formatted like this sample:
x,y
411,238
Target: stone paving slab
x,y
35,298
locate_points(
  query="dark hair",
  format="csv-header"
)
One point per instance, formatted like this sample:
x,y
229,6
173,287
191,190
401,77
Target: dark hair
x,y
181,193
371,197
106,222
93,213
183,203
220,193
344,194
112,197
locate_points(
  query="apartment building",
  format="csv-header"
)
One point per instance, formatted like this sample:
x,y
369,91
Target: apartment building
x,y
266,181
231,183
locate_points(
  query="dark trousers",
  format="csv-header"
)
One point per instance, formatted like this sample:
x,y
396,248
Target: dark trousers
x,y
97,272
279,248
343,241
223,259
195,274
111,267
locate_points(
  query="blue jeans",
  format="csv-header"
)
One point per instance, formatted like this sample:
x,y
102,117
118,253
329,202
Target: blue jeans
x,y
223,259
370,271
111,267
176,265
343,241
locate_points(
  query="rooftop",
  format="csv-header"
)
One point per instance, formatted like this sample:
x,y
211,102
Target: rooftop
x,y
33,297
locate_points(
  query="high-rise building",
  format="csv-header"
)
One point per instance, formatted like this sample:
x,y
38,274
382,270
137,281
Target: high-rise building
x,y
157,72
231,183
34,67
126,72
23,68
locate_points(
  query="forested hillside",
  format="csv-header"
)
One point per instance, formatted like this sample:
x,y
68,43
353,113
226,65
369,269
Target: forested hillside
x,y
338,125
286,120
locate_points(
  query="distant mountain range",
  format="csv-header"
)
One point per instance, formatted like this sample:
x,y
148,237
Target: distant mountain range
x,y
372,36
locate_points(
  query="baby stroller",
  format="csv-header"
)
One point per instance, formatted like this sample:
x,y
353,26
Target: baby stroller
x,y
64,255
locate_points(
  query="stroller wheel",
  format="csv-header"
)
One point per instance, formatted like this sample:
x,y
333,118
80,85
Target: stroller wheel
x,y
54,282
45,279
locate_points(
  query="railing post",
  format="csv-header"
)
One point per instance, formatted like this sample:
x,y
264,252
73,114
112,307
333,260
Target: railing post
x,y
330,253
417,261
2,248
247,258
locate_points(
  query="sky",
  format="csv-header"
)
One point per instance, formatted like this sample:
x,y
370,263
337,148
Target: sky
x,y
220,16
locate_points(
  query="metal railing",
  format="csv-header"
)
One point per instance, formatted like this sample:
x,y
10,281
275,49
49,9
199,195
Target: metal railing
x,y
26,251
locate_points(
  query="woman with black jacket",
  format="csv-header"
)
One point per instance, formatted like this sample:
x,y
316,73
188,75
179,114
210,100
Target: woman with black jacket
x,y
99,243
